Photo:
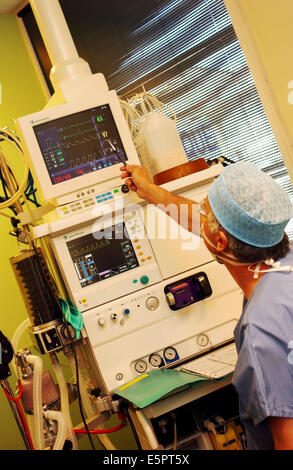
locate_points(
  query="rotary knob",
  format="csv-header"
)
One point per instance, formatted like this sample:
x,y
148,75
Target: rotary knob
x,y
170,298
101,321
152,303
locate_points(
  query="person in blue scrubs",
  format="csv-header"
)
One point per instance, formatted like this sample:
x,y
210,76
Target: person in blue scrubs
x,y
242,222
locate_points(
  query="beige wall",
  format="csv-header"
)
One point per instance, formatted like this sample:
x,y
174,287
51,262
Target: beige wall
x,y
264,29
21,94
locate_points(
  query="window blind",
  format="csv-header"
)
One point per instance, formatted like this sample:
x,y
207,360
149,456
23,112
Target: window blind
x,y
186,53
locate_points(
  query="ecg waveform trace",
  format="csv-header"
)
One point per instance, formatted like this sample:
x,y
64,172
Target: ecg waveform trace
x,y
89,248
78,144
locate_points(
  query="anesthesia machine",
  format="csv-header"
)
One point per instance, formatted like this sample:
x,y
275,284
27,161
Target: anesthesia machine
x,y
114,283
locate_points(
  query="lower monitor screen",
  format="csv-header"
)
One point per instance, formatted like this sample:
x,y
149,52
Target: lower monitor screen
x,y
102,255
77,144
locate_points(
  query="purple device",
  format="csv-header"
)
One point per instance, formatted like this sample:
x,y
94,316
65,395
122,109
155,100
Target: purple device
x,y
188,291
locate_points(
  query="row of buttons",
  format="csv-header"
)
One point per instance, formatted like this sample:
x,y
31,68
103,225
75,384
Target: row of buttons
x,y
104,198
92,190
143,280
88,202
77,206
89,191
104,195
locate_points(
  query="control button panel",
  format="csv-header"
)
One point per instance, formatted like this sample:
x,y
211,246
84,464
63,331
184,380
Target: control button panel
x,y
90,197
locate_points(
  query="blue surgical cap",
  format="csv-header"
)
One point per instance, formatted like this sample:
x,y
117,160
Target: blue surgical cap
x,y
250,205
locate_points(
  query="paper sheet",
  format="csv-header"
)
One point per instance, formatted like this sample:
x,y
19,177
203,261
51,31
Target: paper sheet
x,y
215,365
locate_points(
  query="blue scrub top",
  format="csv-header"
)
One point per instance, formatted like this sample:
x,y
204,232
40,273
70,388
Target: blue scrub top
x,y
264,372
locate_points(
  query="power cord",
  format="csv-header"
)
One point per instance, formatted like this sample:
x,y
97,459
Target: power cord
x,y
173,416
78,384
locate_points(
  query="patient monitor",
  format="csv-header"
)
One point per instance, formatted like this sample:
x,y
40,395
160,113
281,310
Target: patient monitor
x,y
68,145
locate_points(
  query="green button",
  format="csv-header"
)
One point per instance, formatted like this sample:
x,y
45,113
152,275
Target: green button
x,y
134,281
144,279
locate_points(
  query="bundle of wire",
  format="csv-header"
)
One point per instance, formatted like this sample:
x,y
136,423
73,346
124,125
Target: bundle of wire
x,y
25,189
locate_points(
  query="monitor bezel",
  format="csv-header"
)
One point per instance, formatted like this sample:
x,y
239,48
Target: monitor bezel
x,y
28,137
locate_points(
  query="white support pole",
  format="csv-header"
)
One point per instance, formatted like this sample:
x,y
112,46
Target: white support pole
x,y
54,30
66,64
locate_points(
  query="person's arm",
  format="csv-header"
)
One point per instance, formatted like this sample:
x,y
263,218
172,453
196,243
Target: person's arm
x,y
187,214
282,431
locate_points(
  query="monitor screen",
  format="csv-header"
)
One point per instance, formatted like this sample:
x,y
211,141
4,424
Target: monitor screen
x,y
77,144
101,255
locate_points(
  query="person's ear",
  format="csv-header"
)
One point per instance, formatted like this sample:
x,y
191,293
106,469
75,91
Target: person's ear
x,y
221,241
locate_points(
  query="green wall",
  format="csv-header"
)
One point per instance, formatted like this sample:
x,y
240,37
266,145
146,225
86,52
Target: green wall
x,y
22,94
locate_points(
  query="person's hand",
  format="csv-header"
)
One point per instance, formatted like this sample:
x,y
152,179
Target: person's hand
x,y
137,179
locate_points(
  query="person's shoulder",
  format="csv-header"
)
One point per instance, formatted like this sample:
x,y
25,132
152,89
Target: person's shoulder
x,y
274,288
270,308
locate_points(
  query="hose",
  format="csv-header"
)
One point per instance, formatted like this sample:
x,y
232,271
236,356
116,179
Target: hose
x,y
147,429
16,338
37,400
62,427
64,400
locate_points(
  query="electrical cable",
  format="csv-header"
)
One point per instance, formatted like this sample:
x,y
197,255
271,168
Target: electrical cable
x,y
77,383
5,215
9,137
173,416
100,431
17,401
133,429
79,398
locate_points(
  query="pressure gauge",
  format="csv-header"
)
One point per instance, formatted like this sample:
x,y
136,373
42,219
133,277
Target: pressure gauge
x,y
140,366
170,353
202,340
155,360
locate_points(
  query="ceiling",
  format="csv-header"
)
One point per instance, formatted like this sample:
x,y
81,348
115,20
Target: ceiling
x,y
8,6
